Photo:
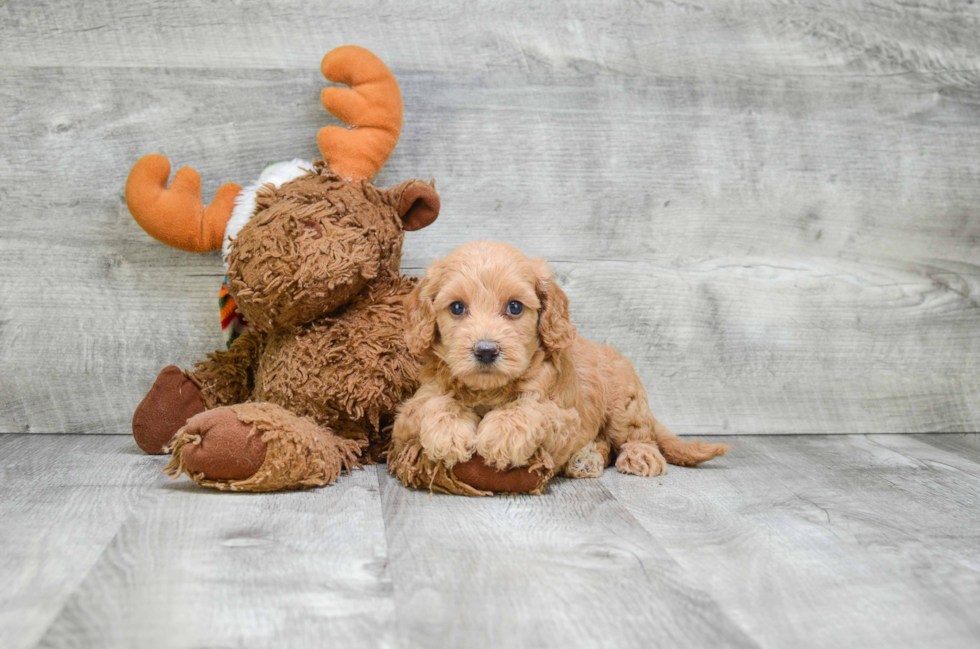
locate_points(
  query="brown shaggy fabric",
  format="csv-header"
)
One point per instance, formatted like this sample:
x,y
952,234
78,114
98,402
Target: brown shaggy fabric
x,y
317,271
348,368
299,453
312,245
164,409
227,377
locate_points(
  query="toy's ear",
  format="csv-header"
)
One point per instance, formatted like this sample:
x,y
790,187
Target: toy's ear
x,y
417,203
555,329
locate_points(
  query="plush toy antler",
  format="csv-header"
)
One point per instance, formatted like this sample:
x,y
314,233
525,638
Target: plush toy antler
x,y
177,216
371,108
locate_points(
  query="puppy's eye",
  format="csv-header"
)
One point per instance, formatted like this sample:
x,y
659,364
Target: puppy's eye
x,y
515,308
457,308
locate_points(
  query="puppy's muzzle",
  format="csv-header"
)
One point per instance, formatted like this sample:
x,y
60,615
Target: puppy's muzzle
x,y
486,351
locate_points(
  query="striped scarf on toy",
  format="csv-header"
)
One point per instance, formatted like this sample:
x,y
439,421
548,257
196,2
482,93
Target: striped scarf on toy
x,y
233,323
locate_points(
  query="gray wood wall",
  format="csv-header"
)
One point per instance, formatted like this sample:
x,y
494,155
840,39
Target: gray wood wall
x,y
772,207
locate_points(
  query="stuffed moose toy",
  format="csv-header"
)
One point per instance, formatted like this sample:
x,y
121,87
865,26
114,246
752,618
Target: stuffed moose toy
x,y
312,252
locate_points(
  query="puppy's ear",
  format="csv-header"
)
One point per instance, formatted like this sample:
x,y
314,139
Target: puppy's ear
x,y
556,331
416,202
421,312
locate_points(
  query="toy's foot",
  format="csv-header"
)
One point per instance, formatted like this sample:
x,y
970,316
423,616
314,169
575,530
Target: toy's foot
x,y
478,474
259,446
409,463
474,477
225,448
168,405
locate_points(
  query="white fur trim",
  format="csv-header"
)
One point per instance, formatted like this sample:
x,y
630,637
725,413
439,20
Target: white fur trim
x,y
275,175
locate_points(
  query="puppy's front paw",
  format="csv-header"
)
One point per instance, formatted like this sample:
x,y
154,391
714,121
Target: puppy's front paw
x,y
508,437
448,439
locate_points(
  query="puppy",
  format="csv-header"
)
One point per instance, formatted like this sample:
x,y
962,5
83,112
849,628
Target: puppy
x,y
505,376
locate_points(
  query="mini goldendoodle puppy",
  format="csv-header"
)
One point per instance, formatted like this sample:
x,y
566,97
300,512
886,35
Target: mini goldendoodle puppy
x,y
506,377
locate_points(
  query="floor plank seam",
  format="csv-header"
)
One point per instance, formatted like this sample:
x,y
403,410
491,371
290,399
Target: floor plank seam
x,y
144,494
381,473
687,576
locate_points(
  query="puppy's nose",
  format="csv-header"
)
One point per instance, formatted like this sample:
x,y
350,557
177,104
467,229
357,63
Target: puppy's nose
x,y
486,351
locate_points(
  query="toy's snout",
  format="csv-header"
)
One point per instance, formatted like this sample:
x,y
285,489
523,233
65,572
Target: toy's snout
x,y
312,245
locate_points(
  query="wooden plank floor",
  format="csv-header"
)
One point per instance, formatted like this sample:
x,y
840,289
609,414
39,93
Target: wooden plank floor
x,y
802,541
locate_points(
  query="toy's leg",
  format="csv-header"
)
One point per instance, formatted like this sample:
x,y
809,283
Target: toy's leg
x,y
532,478
176,396
260,447
168,405
409,463
227,377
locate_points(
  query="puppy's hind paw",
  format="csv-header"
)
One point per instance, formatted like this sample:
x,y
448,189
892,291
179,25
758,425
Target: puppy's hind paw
x,y
641,458
588,462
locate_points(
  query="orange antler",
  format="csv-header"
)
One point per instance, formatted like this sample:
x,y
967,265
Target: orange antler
x,y
371,107
177,216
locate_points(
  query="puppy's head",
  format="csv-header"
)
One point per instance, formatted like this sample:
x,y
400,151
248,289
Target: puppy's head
x,y
484,310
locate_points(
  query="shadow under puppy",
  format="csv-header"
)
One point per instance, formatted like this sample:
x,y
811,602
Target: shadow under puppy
x,y
510,395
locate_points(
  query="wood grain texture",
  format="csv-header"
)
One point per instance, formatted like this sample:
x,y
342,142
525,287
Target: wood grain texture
x,y
772,208
62,499
566,570
696,39
802,541
197,568
881,529
965,445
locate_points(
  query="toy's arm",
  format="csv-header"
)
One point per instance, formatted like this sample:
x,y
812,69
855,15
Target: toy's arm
x,y
228,377
176,215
